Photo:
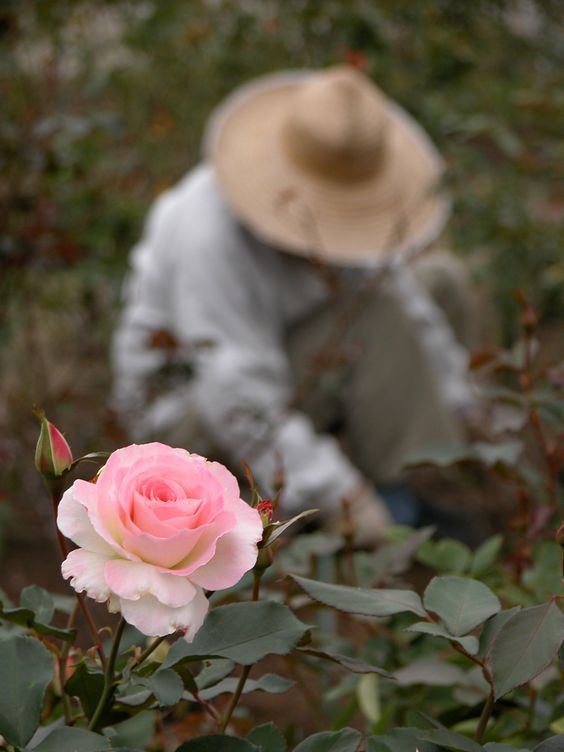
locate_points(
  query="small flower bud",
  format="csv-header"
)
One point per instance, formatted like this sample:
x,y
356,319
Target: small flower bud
x,y
52,454
264,508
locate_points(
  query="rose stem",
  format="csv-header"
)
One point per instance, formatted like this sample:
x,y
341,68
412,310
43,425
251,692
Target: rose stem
x,y
485,717
55,493
108,677
63,663
257,574
147,652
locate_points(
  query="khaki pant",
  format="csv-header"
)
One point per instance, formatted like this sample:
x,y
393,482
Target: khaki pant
x,y
361,368
361,371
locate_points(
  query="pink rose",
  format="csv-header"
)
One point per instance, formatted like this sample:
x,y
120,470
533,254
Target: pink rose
x,y
158,527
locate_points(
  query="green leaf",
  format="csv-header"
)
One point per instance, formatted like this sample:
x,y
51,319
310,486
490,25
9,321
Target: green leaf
x,y
186,676
243,632
214,671
486,555
352,664
347,740
554,744
266,683
368,696
469,643
525,645
449,739
445,555
396,558
132,733
399,740
166,685
25,617
27,668
68,739
497,747
544,578
218,743
363,601
460,603
430,672
492,627
38,600
87,686
438,734
273,531
268,738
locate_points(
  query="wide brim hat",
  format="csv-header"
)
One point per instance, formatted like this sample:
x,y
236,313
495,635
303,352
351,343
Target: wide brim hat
x,y
322,164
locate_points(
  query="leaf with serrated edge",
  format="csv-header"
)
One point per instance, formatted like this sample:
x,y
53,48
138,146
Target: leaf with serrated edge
x,y
39,601
346,740
213,672
449,739
268,738
553,744
269,683
492,627
27,668
469,643
460,603
368,602
525,645
243,632
71,739
352,664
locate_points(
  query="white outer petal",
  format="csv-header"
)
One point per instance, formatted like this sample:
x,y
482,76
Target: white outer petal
x,y
73,522
86,572
236,551
132,580
155,619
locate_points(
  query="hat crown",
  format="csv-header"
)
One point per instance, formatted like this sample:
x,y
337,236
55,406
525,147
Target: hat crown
x,y
337,126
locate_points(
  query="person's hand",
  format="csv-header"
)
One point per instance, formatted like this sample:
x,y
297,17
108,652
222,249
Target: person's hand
x,y
364,516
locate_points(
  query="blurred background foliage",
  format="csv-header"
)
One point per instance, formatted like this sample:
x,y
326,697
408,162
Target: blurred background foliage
x,y
103,107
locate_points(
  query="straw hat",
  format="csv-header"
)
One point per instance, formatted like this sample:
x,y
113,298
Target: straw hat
x,y
323,164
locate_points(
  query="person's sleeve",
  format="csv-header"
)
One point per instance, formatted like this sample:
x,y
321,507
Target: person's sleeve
x,y
448,359
243,383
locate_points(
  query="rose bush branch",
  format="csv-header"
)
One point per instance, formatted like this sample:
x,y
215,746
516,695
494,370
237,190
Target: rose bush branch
x,y
108,678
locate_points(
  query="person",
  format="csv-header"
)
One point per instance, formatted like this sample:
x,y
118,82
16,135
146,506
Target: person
x,y
278,310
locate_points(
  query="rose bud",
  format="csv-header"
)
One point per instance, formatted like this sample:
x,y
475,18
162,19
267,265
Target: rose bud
x,y
52,454
264,508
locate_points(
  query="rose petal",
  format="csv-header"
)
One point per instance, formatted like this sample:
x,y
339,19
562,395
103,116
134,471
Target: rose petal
x,y
227,480
132,580
185,550
86,572
155,619
87,494
74,523
236,551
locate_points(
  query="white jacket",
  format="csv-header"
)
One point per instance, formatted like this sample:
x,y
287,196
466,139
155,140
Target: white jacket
x,y
229,300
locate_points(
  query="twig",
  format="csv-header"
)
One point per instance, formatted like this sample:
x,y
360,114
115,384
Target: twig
x,y
152,647
485,717
63,664
108,677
